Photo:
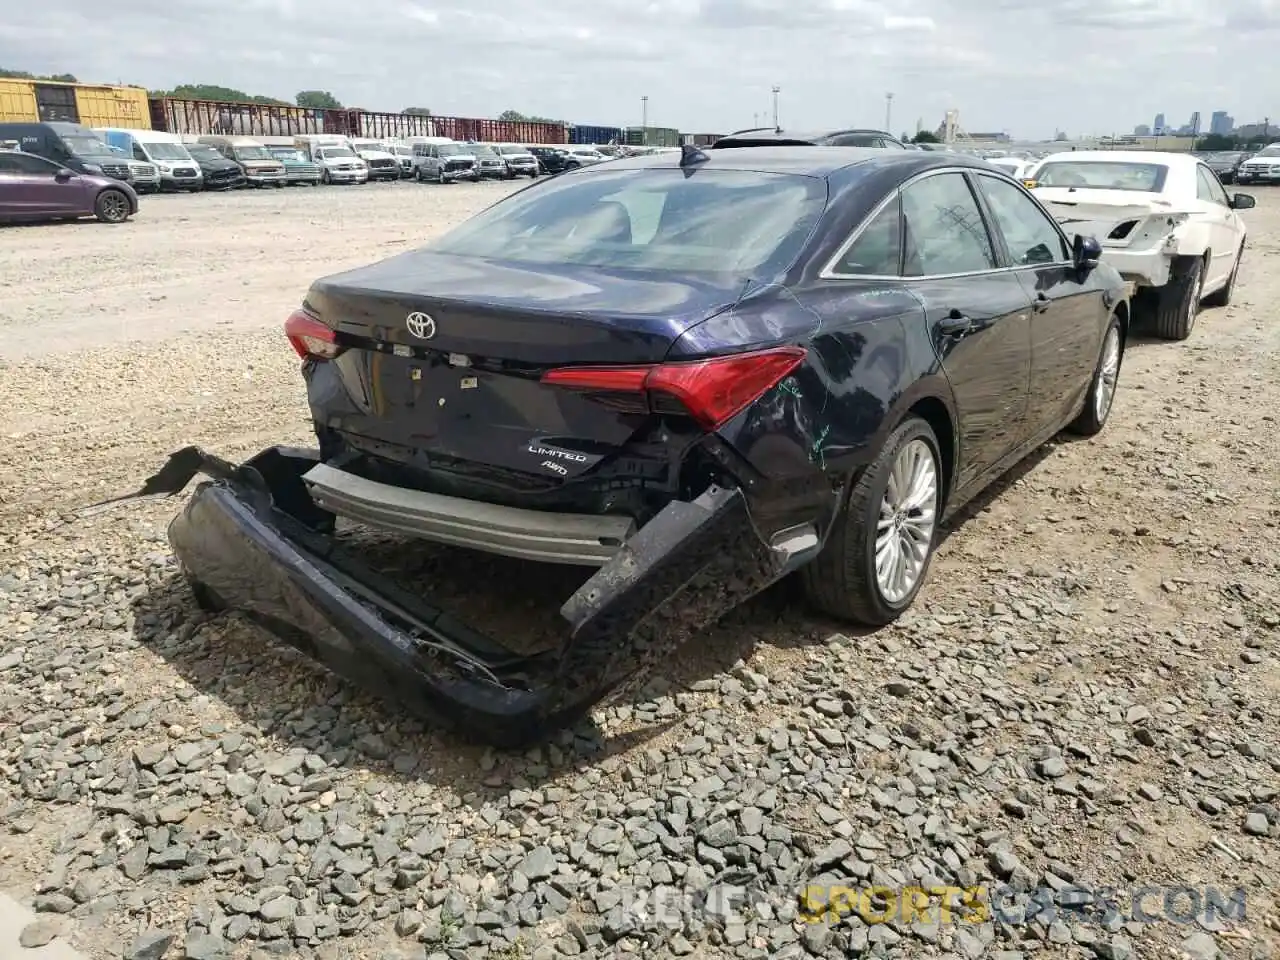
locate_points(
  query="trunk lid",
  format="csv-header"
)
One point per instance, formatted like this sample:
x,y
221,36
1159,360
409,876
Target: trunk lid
x,y
1112,216
464,385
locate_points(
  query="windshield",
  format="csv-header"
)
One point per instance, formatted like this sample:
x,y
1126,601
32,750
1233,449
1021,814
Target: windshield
x,y
251,153
1271,151
734,222
203,153
449,150
1103,175
166,151
369,145
87,146
480,150
513,148
331,153
284,153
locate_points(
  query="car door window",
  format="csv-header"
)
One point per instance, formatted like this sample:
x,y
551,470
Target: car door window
x,y
1208,188
878,250
1031,236
1219,191
27,164
139,153
943,229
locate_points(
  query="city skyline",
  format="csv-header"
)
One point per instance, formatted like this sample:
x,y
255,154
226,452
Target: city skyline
x,y
1221,123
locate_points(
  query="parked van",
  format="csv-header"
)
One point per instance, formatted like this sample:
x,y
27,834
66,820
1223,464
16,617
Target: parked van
x,y
72,145
165,151
261,169
338,162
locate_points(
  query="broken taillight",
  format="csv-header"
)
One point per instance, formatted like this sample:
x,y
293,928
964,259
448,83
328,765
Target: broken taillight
x,y
311,338
713,390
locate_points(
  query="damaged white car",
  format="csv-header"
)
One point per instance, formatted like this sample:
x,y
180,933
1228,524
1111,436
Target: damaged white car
x,y
1163,220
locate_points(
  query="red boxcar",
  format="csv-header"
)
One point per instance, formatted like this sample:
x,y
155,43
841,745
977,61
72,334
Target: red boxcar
x,y
196,117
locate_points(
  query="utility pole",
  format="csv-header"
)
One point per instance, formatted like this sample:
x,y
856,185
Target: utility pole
x,y
776,90
888,113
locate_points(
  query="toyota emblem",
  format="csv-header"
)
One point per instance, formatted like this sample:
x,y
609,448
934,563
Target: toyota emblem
x,y
420,325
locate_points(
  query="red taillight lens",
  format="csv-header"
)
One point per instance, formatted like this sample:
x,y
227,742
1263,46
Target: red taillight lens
x,y
713,391
310,337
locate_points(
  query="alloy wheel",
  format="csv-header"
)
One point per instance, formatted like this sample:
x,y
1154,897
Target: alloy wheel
x,y
907,521
1108,375
115,207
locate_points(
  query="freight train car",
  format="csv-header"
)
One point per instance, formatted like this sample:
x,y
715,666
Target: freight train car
x,y
652,137
218,118
498,131
92,104
590,133
700,139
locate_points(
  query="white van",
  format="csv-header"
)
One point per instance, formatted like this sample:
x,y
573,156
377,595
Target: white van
x,y
338,162
165,151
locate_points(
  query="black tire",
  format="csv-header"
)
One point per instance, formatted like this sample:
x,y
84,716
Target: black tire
x,y
841,581
204,597
417,174
112,206
1178,301
1222,297
1092,419
325,178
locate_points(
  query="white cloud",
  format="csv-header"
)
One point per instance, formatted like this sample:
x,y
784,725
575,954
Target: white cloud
x,y
1027,66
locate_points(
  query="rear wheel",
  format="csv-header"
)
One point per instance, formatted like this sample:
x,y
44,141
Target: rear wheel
x,y
112,206
1222,297
325,178
1102,388
1178,301
878,554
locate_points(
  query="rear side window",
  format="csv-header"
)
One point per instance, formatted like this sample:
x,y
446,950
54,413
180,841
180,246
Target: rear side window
x,y
715,221
17,163
943,229
878,250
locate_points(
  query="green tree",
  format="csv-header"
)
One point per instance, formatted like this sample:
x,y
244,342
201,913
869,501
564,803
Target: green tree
x,y
925,136
515,116
416,112
23,75
212,91
317,100
1216,141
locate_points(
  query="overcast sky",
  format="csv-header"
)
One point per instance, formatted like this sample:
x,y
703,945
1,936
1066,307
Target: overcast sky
x,y
1025,66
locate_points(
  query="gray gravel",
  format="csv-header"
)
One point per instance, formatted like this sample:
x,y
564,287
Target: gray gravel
x,y
1085,700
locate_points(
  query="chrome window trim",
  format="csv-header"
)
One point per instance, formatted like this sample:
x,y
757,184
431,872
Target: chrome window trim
x,y
829,272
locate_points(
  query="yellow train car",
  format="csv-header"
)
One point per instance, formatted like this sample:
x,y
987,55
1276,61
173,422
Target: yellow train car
x,y
92,104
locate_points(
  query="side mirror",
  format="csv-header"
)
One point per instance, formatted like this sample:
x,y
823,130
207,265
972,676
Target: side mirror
x,y
1085,250
1243,201
63,175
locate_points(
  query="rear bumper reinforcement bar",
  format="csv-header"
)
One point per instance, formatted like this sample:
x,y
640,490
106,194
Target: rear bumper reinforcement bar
x,y
528,534
253,540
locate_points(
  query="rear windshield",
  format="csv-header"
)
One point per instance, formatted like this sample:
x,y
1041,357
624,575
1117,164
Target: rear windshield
x,y
1103,175
715,221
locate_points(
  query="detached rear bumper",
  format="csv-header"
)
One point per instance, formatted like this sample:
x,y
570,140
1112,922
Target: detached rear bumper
x,y
254,541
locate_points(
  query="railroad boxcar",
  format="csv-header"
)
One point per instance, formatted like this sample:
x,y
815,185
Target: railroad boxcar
x,y
90,104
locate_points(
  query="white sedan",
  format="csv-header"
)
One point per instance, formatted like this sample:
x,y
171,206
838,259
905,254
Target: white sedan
x,y
1163,220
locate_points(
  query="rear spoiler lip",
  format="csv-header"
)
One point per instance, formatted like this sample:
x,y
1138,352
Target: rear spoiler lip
x,y
252,540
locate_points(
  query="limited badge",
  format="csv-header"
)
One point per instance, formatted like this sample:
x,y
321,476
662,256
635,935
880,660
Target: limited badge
x,y
415,373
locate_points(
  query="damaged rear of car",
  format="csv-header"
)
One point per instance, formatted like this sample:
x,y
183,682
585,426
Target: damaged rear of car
x,y
527,386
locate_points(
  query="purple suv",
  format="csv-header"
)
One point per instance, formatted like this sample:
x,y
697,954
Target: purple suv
x,y
33,188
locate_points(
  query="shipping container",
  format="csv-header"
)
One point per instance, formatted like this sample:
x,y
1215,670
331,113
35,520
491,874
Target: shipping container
x,y
652,137
214,117
593,134
94,105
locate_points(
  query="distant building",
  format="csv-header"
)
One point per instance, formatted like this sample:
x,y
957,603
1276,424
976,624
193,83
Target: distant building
x,y
1221,123
1142,130
1159,126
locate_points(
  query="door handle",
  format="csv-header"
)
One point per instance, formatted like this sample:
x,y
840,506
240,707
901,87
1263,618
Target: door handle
x,y
1041,303
956,324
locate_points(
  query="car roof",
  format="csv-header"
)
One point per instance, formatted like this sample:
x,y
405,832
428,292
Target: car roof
x,y
805,161
773,133
1121,156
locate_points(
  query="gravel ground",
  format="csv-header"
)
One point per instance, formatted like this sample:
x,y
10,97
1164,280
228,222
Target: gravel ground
x,y
1086,697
